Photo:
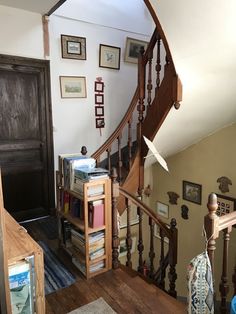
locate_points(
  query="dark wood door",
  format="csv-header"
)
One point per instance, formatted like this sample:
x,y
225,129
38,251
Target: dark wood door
x,y
26,147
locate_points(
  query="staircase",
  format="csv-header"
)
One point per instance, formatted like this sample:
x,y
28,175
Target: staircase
x,y
158,90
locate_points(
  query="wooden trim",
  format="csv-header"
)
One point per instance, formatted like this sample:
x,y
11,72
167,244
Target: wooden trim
x,y
45,20
55,7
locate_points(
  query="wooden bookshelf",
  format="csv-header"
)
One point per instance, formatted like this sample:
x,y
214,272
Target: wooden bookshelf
x,y
83,225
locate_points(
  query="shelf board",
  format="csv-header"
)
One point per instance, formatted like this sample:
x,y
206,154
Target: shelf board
x,y
92,230
98,259
74,220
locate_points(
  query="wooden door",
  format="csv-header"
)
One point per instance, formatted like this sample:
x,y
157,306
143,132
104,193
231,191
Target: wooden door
x,y
26,147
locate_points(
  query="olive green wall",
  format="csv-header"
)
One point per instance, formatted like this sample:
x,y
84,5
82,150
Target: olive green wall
x,y
202,163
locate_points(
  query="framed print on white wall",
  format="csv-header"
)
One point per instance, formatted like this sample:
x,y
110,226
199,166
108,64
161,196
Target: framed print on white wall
x,y
162,210
73,86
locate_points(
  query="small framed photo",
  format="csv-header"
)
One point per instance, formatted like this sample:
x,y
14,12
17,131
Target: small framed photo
x,y
192,192
123,246
99,87
109,57
99,111
99,99
162,210
73,86
100,123
226,204
73,47
132,49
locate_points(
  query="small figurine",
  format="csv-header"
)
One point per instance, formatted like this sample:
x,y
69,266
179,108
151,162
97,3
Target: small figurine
x,y
224,184
173,197
184,212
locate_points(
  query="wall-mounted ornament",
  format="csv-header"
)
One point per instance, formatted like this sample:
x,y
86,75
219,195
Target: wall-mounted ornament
x,y
99,104
147,190
184,212
173,197
224,184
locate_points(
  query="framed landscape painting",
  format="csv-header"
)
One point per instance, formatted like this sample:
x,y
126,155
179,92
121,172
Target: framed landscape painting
x,y
73,47
73,87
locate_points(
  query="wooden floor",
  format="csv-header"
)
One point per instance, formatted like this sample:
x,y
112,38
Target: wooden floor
x,y
124,291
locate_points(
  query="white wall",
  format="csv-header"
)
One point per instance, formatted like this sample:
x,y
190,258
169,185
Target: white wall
x,y
74,119
21,33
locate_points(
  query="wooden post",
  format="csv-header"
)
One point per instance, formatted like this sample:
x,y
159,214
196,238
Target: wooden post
x,y
115,229
211,221
128,235
4,282
140,240
173,258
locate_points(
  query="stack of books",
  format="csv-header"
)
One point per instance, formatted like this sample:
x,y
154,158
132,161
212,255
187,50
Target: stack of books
x,y
96,245
97,266
78,240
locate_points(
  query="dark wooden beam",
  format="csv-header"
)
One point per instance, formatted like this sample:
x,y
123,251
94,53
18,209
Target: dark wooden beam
x,y
55,7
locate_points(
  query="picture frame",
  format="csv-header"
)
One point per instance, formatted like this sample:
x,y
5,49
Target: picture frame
x,y
99,111
73,47
100,123
123,247
162,209
99,99
99,87
109,57
132,49
192,192
73,87
226,205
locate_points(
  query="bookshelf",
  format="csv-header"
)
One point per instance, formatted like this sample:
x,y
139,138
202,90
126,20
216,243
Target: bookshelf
x,y
84,216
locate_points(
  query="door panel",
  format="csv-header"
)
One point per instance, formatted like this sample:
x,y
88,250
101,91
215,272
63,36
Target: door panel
x,y
26,150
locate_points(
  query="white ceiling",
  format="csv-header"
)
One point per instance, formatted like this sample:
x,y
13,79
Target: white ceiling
x,y
38,6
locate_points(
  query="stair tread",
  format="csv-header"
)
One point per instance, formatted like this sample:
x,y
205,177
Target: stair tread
x,y
157,300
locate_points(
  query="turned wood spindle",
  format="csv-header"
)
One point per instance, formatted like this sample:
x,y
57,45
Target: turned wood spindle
x,y
140,240
158,64
151,250
172,275
128,235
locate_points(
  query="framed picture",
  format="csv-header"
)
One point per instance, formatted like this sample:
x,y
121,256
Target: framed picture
x,y
109,57
132,49
99,99
192,192
73,86
226,204
99,87
162,210
73,47
123,247
99,111
100,123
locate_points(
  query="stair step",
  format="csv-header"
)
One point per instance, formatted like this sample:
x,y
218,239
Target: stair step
x,y
157,300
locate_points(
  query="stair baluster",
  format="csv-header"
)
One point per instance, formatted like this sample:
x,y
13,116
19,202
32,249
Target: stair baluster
x,y
173,259
128,235
115,230
149,84
158,65
140,240
129,144
109,159
224,287
119,158
151,251
161,263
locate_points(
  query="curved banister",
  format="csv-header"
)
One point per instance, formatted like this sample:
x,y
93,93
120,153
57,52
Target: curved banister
x,y
120,127
147,210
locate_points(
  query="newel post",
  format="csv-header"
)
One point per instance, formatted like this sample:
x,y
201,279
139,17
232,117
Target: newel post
x,y
115,228
211,221
173,242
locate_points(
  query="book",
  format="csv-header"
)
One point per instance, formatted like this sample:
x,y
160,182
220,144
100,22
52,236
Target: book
x,y
96,214
91,174
21,283
93,190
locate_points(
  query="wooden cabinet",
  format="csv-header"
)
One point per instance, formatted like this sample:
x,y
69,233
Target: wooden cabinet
x,y
82,235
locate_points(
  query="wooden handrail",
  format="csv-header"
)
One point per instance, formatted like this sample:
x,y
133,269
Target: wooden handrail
x,y
147,210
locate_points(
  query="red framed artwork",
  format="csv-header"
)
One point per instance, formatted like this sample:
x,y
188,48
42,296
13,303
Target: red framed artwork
x,y
99,111
99,99
100,123
99,87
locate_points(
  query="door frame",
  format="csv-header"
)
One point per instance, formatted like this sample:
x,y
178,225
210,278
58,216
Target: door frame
x,y
44,67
